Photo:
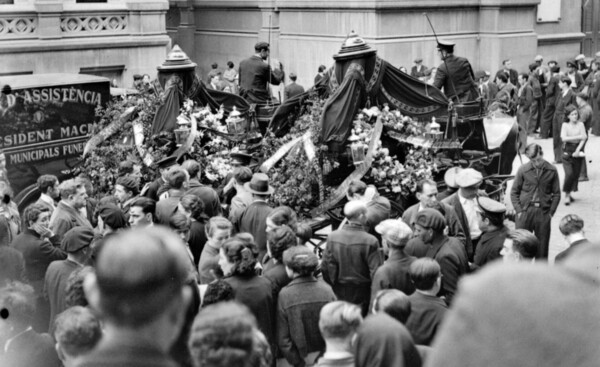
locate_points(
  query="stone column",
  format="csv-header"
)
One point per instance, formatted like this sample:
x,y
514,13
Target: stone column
x,y
49,12
186,29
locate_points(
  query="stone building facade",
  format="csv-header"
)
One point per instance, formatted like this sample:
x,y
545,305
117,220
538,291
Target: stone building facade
x,y
113,38
306,33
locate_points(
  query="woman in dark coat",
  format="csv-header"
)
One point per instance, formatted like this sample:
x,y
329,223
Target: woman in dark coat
x,y
278,240
238,259
564,98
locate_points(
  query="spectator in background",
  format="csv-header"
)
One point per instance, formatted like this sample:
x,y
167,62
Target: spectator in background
x,y
67,213
209,197
552,93
77,332
320,73
143,312
223,335
126,191
141,212
419,70
491,223
394,303
238,259
427,310
242,198
511,74
23,347
520,246
577,81
573,136
77,245
571,227
299,303
232,77
291,90
48,186
393,274
218,230
351,257
193,209
582,67
151,190
338,323
378,207
586,115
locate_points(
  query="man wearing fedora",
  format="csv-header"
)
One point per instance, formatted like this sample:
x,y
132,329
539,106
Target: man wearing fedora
x,y
256,75
254,219
455,75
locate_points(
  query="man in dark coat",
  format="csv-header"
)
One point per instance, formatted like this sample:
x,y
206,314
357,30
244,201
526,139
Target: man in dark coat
x,y
77,245
552,92
178,180
151,190
535,195
256,75
491,223
419,70
67,213
144,311
23,347
208,196
393,274
291,90
455,75
254,219
351,257
430,226
427,310
571,226
510,73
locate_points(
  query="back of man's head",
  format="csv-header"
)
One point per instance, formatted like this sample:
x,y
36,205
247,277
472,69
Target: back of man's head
x,y
139,275
339,320
524,242
394,303
177,178
242,175
424,273
356,187
46,181
353,210
77,332
192,167
570,224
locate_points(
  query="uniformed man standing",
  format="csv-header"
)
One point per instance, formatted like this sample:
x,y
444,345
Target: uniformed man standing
x,y
491,223
256,75
455,75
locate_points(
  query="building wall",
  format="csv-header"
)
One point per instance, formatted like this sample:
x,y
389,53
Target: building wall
x,y
45,36
306,33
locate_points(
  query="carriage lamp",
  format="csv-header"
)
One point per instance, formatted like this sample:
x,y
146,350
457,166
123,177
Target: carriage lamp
x,y
357,149
183,130
236,123
434,130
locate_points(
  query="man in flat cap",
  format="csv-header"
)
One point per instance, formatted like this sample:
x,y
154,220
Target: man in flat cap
x,y
419,70
351,257
429,227
535,195
465,204
139,290
256,75
455,75
491,223
76,243
293,89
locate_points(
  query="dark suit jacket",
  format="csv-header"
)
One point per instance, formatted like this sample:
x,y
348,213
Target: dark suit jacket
x,y
254,221
456,72
30,349
292,90
65,218
210,198
512,74
152,191
125,353
525,100
426,315
454,225
526,182
552,90
454,201
577,244
490,245
453,264
12,266
55,284
38,254
561,104
255,76
393,274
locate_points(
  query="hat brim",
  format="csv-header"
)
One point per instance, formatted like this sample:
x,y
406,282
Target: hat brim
x,y
269,191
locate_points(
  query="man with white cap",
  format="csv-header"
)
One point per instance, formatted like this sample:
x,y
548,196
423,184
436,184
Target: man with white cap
x,y
465,204
450,180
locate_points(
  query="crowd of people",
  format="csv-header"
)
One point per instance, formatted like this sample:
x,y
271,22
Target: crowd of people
x,y
176,273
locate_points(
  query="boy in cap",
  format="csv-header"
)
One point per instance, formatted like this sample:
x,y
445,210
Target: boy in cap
x,y
256,75
394,271
429,226
465,205
76,244
491,223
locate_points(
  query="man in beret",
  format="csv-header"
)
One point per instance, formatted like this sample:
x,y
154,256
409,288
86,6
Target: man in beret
x,y
491,223
351,257
291,90
76,243
256,75
465,204
126,191
455,75
143,311
419,70
429,227
110,220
